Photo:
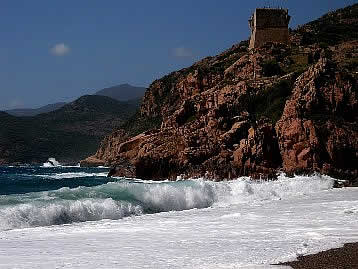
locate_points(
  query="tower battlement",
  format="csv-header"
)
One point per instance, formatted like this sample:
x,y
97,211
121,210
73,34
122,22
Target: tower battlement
x,y
269,25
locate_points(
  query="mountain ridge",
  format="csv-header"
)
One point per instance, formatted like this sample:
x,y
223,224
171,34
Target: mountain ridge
x,y
123,92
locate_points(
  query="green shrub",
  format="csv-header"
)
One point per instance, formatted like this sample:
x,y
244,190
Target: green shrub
x,y
323,45
271,101
138,124
271,68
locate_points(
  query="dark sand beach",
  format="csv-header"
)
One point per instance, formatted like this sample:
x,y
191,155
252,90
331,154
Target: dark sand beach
x,y
339,258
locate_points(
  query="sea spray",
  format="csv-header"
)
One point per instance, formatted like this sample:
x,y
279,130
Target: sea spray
x,y
51,162
245,190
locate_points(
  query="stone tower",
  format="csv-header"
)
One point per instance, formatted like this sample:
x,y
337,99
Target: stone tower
x,y
269,25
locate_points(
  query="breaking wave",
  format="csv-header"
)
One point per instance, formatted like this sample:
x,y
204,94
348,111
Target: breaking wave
x,y
51,162
115,200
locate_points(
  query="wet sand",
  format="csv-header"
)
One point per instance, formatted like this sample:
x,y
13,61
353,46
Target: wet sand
x,y
340,258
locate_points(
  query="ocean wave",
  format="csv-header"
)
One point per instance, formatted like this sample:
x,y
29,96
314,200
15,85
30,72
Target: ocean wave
x,y
62,212
113,200
124,198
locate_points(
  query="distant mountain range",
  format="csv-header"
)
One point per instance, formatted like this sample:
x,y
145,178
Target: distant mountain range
x,y
30,112
123,92
68,134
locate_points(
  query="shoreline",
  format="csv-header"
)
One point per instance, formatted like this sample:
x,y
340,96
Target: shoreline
x,y
344,257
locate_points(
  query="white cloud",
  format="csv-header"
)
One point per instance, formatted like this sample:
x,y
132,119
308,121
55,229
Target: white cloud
x,y
60,49
182,52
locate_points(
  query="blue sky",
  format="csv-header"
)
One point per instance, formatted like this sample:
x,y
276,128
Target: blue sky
x,y
52,51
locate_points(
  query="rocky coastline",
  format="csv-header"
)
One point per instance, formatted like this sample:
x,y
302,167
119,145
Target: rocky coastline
x,y
291,109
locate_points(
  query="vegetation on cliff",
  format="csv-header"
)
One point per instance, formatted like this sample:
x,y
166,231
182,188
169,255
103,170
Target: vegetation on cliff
x,y
332,29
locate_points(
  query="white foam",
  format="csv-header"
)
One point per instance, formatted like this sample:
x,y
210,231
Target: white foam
x,y
169,197
247,191
273,224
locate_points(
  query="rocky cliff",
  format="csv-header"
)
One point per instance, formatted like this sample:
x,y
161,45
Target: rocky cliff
x,y
250,113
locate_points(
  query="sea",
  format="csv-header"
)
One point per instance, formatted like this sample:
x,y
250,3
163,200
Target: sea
x,y
53,216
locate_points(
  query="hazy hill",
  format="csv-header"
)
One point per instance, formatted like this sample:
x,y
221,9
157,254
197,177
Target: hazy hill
x,y
3,114
123,92
30,112
68,134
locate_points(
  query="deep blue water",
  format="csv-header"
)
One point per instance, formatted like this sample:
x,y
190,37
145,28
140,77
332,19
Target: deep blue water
x,y
20,180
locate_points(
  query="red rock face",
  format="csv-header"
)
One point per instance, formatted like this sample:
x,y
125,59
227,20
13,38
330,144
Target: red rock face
x,y
318,129
206,129
219,121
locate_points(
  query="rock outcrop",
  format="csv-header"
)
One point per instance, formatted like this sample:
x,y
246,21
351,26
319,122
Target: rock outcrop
x,y
276,108
318,129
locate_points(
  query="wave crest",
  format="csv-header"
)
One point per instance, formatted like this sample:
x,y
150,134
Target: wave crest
x,y
116,200
32,215
108,201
